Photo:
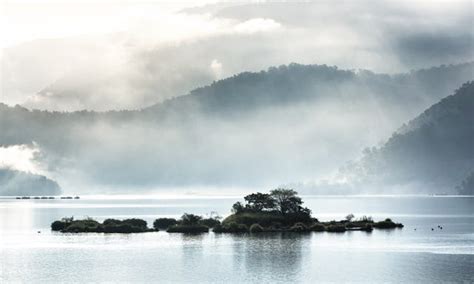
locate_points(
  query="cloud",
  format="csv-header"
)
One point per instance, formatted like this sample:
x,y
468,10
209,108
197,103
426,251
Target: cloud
x,y
216,68
144,55
21,158
257,25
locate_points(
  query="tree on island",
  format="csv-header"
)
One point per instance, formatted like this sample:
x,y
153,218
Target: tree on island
x,y
287,201
280,201
260,202
189,219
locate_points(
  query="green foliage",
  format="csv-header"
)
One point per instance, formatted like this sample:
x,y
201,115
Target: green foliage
x,y
259,201
256,228
59,225
86,225
299,228
350,217
139,223
318,227
125,226
387,224
283,204
231,227
287,201
189,219
210,222
248,218
69,225
369,227
164,223
111,222
238,207
365,219
336,228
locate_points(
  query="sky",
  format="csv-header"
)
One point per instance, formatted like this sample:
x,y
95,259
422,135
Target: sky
x,y
29,20
102,55
26,20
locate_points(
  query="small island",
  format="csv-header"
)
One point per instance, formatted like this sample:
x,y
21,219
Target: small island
x,y
280,210
88,225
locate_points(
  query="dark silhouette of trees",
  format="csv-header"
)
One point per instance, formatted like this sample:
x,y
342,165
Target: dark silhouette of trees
x,y
238,207
286,200
259,201
164,223
279,201
189,219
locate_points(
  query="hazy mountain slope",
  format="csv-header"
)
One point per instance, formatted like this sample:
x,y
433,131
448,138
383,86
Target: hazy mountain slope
x,y
433,153
467,185
293,122
299,83
14,182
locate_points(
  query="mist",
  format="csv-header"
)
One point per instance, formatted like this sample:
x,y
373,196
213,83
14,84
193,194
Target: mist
x,y
288,124
184,96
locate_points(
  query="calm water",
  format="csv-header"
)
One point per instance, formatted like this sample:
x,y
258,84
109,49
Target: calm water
x,y
405,255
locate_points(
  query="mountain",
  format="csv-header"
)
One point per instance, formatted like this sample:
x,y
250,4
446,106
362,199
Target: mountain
x,y
467,185
14,182
294,122
432,153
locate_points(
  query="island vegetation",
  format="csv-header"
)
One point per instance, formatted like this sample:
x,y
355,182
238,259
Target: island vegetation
x,y
280,210
89,225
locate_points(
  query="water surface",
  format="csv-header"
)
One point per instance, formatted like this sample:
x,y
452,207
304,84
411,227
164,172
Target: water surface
x,y
402,255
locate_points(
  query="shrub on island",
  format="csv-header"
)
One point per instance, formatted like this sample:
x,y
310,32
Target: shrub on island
x,y
69,225
231,227
280,206
210,222
299,228
189,223
164,223
387,224
256,228
336,228
368,228
61,224
317,227
125,226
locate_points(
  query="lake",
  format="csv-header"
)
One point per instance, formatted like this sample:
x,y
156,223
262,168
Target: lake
x,y
30,252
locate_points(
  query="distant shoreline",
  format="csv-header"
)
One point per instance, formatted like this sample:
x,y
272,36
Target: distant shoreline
x,y
209,196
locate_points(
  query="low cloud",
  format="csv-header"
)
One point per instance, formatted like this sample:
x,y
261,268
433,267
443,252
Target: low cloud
x,y
216,68
21,158
257,25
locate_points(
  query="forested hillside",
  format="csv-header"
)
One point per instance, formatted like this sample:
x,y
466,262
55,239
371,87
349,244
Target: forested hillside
x,y
434,151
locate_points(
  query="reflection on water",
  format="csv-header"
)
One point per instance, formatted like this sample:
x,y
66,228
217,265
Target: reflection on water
x,y
406,255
